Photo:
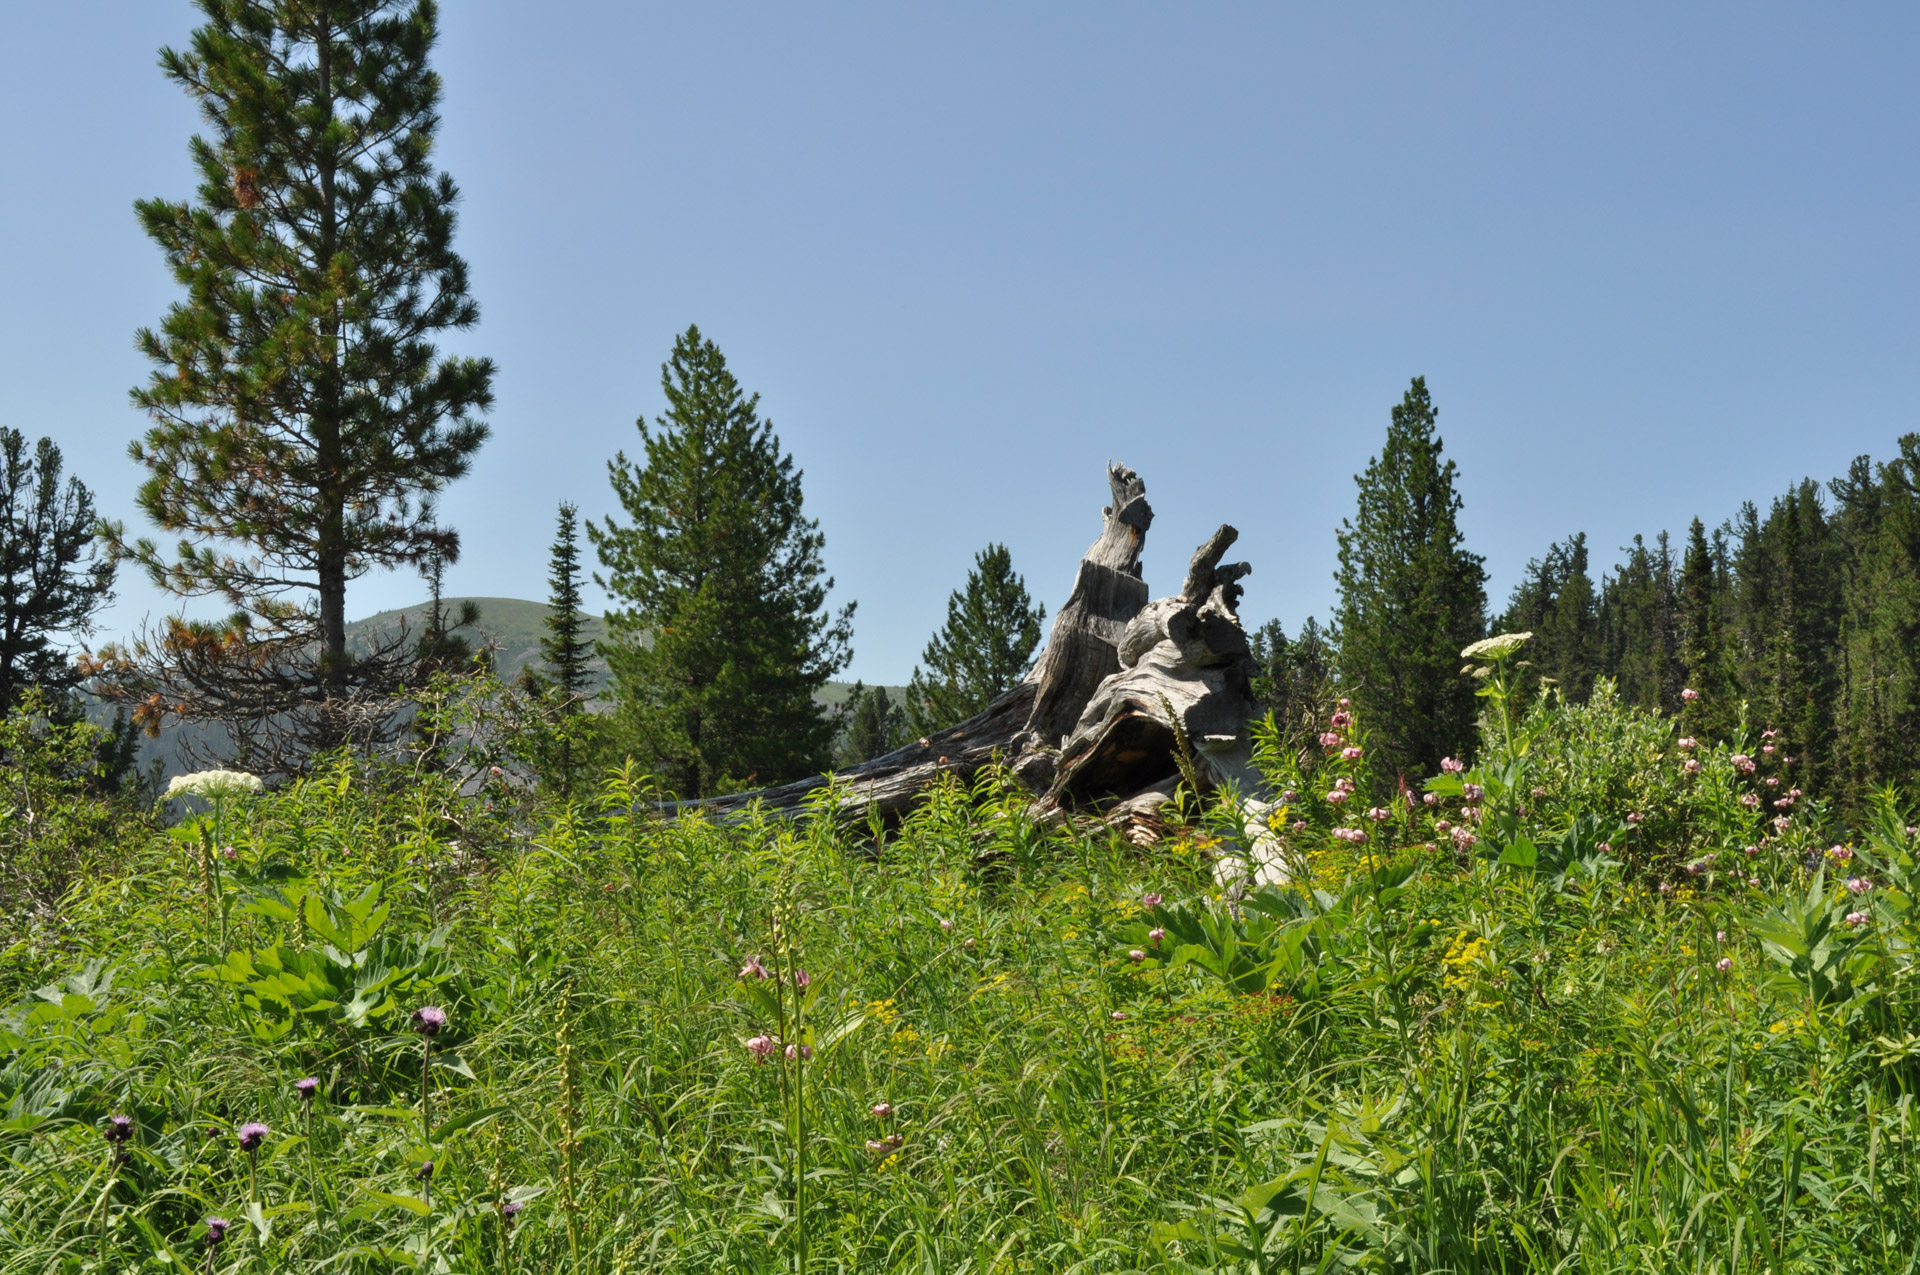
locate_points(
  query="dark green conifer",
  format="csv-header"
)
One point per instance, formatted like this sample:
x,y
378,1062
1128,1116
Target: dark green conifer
x,y
984,649
721,636
875,725
304,419
53,579
1411,597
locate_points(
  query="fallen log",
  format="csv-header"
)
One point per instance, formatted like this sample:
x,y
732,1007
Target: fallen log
x,y
1129,697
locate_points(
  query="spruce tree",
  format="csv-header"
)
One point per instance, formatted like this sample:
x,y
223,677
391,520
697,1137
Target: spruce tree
x,y
565,649
53,579
304,419
875,725
986,646
721,637
1411,597
1294,680
1556,603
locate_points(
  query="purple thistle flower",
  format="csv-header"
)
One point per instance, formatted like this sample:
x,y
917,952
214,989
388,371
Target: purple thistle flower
x,y
216,1231
425,1172
252,1134
306,1087
429,1019
511,1209
119,1129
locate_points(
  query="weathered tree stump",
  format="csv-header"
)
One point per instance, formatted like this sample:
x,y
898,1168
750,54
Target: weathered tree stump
x,y
1127,697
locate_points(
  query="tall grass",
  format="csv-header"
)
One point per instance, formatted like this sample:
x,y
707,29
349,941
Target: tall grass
x,y
1515,1055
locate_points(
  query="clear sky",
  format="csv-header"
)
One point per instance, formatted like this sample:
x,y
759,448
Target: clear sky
x,y
1653,260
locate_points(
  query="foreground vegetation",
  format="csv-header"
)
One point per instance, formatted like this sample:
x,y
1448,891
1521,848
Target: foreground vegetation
x,y
1594,1004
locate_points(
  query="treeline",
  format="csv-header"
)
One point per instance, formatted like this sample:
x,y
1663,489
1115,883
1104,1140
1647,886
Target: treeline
x,y
1806,612
1803,618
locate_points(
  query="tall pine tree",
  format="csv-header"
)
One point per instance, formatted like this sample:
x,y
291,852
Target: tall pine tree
x,y
985,647
722,636
565,649
1411,597
304,419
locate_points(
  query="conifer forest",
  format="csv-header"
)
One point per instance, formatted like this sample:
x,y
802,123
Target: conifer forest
x,y
1575,931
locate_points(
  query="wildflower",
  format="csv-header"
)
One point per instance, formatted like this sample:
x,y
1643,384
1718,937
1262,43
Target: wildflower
x,y
1766,750
216,1231
1331,739
1751,851
1750,800
306,1087
876,1148
1336,796
1351,754
1724,965
1695,869
1666,887
1691,766
1634,816
1341,720
882,1110
1152,900
1119,1015
1442,826
1840,854
229,853
1743,763
801,978
495,771
1344,784
1299,825
425,1172
946,924
252,1134
1157,935
1431,799
1346,703
119,1129
1604,848
1769,733
429,1019
1857,919
799,1053
1719,936
761,1047
1858,885
511,1208
1539,793
1495,648
1785,803
1470,813
753,969
1688,743
968,944
1378,813
1452,767
1911,830
1288,797
1689,695
1782,822
1754,882
1136,955
1464,840
213,785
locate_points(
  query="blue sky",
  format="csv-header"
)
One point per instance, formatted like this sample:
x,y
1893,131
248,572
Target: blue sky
x,y
1653,260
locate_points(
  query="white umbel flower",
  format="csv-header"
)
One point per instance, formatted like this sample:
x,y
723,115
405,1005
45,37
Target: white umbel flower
x,y
1495,648
214,785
